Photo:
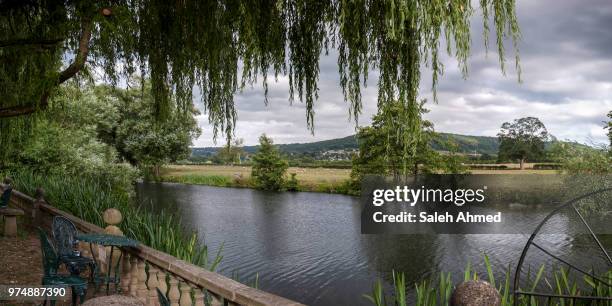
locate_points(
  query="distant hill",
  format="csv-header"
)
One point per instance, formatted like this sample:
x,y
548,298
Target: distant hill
x,y
466,144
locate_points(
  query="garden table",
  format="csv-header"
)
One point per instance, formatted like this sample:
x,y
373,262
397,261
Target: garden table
x,y
113,241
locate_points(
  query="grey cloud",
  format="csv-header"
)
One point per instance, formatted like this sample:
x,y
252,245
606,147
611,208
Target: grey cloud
x,y
566,56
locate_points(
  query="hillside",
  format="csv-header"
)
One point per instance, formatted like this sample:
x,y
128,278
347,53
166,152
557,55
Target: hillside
x,y
466,143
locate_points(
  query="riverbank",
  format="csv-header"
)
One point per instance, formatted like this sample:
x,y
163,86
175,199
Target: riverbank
x,y
326,180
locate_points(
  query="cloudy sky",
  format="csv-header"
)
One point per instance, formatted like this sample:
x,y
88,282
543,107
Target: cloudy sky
x,y
566,56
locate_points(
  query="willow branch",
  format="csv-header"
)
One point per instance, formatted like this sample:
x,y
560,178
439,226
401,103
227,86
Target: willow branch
x,y
24,42
66,74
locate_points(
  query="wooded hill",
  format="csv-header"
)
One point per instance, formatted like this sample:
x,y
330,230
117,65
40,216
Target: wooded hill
x,y
466,144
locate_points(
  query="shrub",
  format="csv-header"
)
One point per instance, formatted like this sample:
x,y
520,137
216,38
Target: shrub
x,y
292,183
269,168
87,197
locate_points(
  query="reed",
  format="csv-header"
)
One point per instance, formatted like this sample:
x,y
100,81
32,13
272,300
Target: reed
x,y
88,197
431,292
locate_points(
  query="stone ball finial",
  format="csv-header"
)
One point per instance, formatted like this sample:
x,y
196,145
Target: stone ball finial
x,y
475,293
40,193
112,216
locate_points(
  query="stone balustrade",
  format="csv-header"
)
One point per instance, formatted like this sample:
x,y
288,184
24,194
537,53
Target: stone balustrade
x,y
145,269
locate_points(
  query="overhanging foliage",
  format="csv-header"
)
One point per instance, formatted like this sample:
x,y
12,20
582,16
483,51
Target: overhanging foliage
x,y
222,46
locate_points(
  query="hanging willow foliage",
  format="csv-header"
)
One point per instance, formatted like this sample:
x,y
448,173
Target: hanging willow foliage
x,y
222,46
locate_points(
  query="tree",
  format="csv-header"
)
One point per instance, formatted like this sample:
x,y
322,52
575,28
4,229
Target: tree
x,y
522,139
67,143
380,145
231,153
223,46
269,168
609,127
138,137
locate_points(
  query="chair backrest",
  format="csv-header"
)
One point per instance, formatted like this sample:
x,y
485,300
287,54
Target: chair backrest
x,y
6,196
163,300
64,235
49,256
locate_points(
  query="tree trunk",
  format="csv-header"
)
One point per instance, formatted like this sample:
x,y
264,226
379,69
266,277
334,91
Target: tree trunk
x,y
156,171
522,164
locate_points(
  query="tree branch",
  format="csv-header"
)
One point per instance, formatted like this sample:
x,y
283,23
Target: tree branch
x,y
36,42
66,74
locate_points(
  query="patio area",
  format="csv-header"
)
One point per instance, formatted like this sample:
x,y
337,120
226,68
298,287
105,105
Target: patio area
x,y
21,264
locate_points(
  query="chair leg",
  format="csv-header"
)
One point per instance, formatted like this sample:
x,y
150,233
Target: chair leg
x,y
83,296
74,296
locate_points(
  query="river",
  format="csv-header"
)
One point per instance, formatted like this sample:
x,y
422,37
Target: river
x,y
308,246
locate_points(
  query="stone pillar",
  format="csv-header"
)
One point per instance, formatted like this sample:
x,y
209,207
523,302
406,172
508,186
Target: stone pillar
x,y
185,294
134,276
10,220
153,285
161,282
198,297
39,199
143,292
125,273
174,294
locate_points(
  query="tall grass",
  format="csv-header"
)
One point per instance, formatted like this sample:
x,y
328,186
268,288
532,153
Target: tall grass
x,y
430,292
88,197
202,179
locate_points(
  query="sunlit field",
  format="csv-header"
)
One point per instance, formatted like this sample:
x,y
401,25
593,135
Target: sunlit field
x,y
314,175
305,175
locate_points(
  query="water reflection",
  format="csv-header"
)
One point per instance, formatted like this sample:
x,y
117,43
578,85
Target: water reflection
x,y
309,247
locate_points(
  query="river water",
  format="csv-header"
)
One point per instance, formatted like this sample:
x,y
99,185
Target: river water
x,y
308,246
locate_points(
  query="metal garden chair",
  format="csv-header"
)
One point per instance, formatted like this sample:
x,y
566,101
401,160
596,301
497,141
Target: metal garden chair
x,y
64,235
52,278
6,196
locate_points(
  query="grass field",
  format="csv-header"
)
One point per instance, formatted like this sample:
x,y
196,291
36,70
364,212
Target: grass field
x,y
305,175
312,175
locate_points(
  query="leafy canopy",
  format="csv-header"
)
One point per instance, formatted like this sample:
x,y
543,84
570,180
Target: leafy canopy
x,y
381,151
129,125
522,139
269,168
221,46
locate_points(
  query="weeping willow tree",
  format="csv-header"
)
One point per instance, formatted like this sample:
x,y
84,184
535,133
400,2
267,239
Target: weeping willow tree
x,y
221,46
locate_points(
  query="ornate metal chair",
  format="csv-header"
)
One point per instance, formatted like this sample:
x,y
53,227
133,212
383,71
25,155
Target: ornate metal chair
x,y
6,196
51,278
64,235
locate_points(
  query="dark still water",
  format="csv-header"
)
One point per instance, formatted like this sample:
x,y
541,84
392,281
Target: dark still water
x,y
308,246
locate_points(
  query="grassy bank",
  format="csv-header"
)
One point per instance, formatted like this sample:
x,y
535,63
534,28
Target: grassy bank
x,y
308,179
88,197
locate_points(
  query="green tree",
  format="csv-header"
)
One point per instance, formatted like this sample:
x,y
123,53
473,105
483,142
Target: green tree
x,y
136,134
609,127
380,145
67,144
224,46
269,168
522,139
232,152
